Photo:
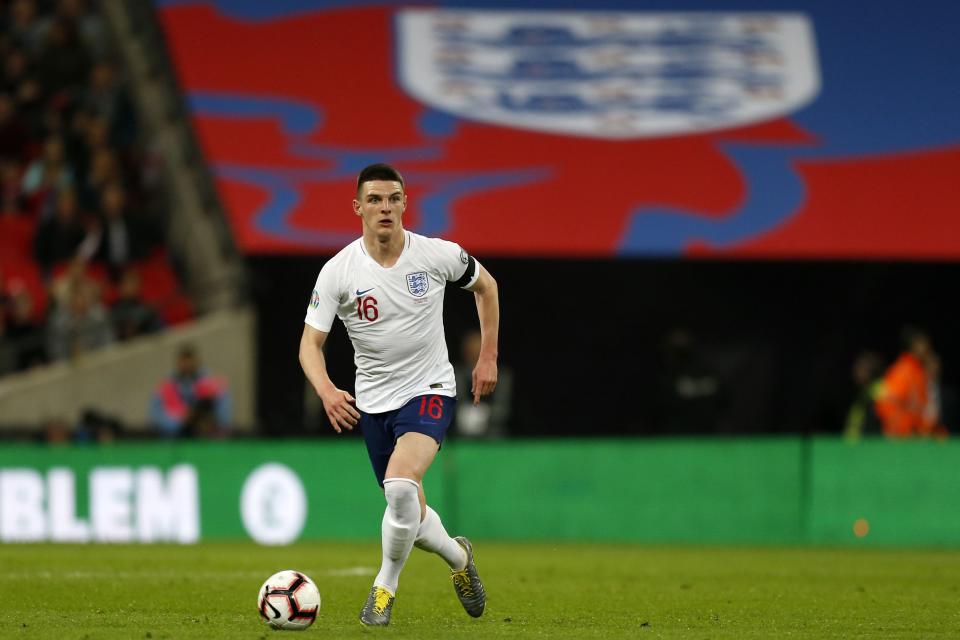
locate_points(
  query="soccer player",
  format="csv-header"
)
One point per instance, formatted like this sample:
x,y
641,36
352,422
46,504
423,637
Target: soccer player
x,y
387,288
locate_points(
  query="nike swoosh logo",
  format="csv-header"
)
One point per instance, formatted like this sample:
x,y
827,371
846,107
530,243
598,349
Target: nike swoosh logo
x,y
360,293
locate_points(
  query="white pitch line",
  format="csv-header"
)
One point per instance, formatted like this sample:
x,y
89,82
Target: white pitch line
x,y
351,571
205,575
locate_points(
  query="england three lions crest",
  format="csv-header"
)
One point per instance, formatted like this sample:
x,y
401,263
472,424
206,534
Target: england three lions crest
x,y
418,283
615,75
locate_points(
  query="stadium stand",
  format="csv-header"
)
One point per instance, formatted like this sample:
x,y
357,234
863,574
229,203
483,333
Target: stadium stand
x,y
78,194
113,246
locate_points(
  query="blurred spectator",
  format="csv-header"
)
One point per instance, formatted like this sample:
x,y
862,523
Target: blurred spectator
x,y
89,27
63,64
102,170
131,316
690,397
105,98
58,238
24,333
56,431
89,134
904,401
63,283
31,103
80,325
96,133
124,236
95,426
491,417
16,70
47,176
12,200
862,418
24,25
13,132
55,124
941,399
933,410
190,402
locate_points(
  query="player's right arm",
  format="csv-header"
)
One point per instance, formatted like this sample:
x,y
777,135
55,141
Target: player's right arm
x,y
336,402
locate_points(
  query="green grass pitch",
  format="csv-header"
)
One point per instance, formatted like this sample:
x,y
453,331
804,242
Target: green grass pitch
x,y
535,591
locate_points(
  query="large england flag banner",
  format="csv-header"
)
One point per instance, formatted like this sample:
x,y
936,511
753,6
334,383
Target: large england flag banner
x,y
601,129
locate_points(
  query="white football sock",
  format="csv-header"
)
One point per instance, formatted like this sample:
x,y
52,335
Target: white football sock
x,y
399,529
433,537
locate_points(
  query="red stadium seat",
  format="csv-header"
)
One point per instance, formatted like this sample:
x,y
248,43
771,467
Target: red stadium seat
x,y
16,236
22,272
161,289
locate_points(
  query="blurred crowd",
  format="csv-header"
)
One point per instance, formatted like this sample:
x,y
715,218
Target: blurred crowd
x,y
904,399
81,223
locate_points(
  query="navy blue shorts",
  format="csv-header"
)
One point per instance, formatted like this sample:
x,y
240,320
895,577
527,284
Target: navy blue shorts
x,y
430,415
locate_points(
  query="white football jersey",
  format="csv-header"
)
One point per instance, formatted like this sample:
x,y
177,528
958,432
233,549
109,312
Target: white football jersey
x,y
394,317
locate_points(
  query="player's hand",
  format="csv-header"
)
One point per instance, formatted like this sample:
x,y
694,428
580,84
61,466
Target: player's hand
x,y
484,379
340,410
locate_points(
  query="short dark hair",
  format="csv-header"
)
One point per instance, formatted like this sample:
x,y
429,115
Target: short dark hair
x,y
378,171
911,333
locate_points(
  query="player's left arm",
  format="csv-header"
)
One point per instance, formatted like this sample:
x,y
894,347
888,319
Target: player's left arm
x,y
488,309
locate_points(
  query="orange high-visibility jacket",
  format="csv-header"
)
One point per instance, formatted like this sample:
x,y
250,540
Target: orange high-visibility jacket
x,y
903,399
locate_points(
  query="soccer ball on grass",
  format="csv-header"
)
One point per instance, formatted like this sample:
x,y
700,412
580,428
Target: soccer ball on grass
x,y
289,600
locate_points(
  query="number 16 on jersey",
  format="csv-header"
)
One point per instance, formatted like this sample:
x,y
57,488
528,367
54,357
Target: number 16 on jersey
x,y
367,308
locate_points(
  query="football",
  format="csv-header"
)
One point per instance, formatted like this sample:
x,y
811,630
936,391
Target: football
x,y
289,600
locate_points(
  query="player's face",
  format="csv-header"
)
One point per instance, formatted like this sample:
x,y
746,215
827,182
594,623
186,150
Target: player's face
x,y
380,205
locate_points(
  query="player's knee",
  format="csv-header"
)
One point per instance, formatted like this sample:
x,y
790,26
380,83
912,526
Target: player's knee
x,y
400,471
403,498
